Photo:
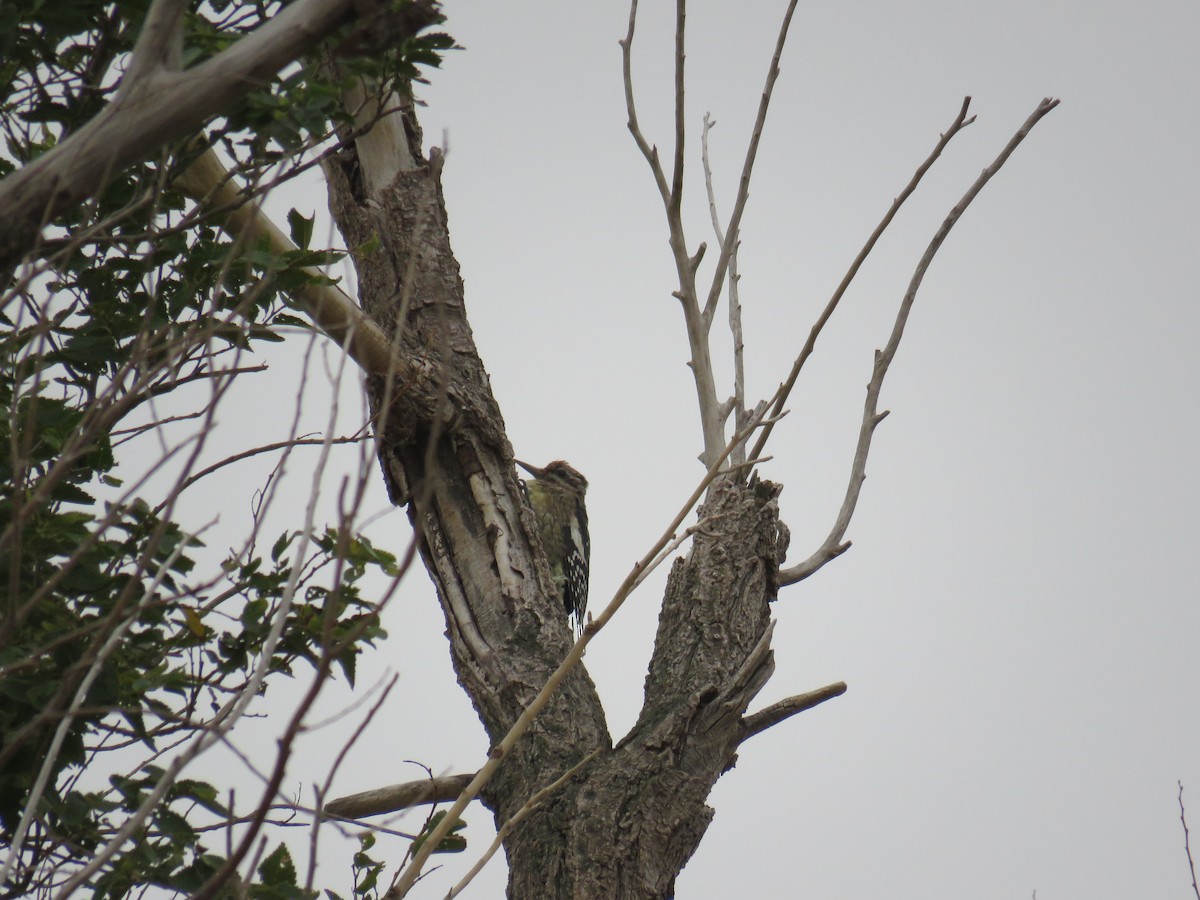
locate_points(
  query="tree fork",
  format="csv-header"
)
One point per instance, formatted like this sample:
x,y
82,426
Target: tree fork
x,y
628,821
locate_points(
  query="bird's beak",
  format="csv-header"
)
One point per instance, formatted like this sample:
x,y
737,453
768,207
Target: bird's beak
x,y
532,470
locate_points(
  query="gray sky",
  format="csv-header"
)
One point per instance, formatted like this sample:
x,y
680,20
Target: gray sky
x,y
1017,620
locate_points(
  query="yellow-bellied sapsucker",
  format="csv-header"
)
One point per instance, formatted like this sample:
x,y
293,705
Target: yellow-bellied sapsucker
x,y
556,494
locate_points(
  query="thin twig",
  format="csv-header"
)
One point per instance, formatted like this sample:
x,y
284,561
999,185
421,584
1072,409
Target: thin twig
x,y
711,420
109,647
743,192
285,742
269,448
322,790
1187,845
959,123
224,719
834,545
737,403
680,113
651,153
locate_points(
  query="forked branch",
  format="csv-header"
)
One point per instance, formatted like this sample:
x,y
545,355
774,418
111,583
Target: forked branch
x,y
737,403
1187,843
743,193
408,877
959,123
834,545
697,320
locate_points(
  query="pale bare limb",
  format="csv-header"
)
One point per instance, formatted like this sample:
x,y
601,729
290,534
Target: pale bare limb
x,y
959,123
743,193
651,153
162,104
834,545
711,420
737,403
395,797
1187,845
756,723
334,312
160,43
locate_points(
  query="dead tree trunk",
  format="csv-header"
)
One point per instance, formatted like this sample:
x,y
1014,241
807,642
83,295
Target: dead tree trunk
x,y
628,821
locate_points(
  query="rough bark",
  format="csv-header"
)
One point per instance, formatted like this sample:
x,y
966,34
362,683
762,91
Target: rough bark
x,y
642,810
628,821
446,459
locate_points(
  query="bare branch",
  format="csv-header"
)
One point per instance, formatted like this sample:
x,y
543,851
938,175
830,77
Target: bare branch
x,y
651,154
711,421
1187,844
737,403
680,124
267,448
739,203
395,797
959,123
833,545
758,722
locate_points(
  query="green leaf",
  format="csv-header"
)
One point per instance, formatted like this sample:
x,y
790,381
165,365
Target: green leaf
x,y
301,228
451,843
278,869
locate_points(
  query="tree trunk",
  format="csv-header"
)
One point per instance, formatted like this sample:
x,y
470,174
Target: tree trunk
x,y
627,822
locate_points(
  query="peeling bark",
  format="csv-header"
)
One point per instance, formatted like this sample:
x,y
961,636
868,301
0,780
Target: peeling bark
x,y
628,821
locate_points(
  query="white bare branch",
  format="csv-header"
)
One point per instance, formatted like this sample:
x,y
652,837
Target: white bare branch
x,y
396,797
737,403
157,103
743,194
834,544
331,309
711,419
956,126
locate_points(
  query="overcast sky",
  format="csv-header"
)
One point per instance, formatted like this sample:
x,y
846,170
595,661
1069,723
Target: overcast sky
x,y
1018,620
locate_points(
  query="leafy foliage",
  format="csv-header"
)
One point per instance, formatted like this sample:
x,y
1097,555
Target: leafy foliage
x,y
453,842
116,648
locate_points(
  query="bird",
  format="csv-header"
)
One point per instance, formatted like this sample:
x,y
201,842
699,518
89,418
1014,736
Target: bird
x,y
556,493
